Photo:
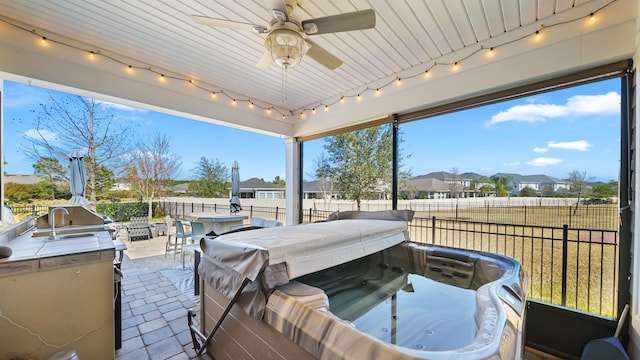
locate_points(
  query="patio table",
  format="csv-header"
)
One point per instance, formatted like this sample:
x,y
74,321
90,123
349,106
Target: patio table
x,y
218,223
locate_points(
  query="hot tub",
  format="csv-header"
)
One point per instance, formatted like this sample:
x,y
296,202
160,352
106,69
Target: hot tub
x,y
390,298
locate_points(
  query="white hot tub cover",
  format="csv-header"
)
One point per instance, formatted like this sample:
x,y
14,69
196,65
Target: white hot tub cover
x,y
298,250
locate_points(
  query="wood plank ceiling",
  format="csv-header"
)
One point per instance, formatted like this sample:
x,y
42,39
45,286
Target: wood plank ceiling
x,y
159,34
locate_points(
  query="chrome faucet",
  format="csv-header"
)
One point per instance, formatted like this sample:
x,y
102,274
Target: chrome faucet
x,y
52,221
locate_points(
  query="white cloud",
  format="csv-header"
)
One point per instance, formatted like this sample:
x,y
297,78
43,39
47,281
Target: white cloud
x,y
540,150
578,105
544,161
39,134
580,145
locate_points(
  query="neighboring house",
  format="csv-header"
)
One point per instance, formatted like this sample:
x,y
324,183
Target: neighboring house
x,y
538,183
119,186
470,183
255,188
423,187
318,189
180,188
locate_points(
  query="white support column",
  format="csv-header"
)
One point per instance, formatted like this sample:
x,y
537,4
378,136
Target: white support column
x,y
292,177
634,330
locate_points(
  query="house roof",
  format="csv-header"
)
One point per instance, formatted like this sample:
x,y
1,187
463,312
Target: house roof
x,y
317,186
258,184
429,184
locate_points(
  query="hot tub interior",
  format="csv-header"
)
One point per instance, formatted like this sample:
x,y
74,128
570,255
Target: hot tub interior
x,y
419,297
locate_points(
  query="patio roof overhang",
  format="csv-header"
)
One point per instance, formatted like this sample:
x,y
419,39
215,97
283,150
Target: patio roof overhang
x,y
570,42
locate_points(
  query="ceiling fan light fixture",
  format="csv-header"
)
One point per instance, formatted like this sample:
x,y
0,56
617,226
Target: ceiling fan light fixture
x,y
286,46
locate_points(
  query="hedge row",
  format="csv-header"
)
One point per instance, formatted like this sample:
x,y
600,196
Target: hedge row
x,y
125,211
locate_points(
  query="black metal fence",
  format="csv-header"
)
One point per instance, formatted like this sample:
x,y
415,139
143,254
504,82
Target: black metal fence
x,y
572,267
32,210
591,216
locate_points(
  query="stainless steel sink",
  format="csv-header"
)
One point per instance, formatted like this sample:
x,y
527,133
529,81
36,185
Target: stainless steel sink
x,y
72,229
84,235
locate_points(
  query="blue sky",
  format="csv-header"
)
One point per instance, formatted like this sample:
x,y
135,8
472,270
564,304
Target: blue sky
x,y
552,134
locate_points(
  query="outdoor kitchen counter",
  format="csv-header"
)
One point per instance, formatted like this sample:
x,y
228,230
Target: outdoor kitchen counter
x,y
58,295
39,253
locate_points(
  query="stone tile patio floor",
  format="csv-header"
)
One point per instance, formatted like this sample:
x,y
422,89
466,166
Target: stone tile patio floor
x,y
154,311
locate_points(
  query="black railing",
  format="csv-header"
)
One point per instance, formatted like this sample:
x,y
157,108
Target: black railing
x,y
576,268
32,210
592,216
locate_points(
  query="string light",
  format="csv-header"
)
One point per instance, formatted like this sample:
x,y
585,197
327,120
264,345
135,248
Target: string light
x,y
233,102
44,41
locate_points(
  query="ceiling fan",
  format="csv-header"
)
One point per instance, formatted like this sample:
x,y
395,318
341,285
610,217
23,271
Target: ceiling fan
x,y
286,39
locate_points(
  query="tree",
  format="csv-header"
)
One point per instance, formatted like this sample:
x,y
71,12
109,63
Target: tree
x,y
27,192
527,192
51,169
151,165
70,121
604,190
503,184
278,181
578,186
212,179
455,187
360,162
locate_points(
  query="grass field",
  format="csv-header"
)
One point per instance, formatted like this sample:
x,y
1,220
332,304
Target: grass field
x,y
590,255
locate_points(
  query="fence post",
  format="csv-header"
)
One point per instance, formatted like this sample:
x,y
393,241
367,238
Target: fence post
x,y
433,230
565,248
276,213
251,212
310,213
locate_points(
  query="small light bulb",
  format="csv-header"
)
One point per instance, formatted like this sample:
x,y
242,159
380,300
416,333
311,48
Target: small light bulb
x,y
161,78
130,69
378,92
233,102
399,82
250,104
359,97
427,74
342,100
313,111
214,95
592,16
268,110
326,108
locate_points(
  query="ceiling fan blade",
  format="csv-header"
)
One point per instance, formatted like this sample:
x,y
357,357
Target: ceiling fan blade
x,y
265,61
357,20
205,20
323,56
